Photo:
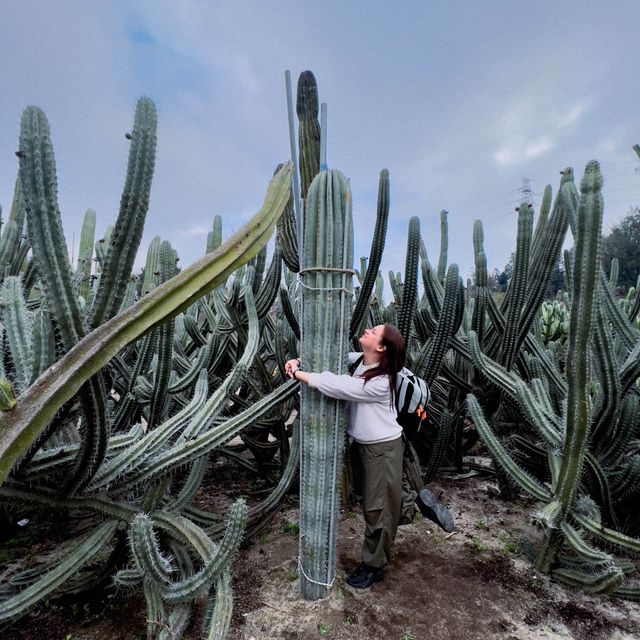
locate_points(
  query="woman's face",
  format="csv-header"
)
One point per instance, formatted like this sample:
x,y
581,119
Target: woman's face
x,y
372,338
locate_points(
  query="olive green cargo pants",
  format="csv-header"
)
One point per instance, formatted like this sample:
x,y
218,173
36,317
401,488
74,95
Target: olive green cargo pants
x,y
377,475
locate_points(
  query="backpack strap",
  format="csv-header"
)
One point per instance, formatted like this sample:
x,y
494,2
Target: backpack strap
x,y
354,365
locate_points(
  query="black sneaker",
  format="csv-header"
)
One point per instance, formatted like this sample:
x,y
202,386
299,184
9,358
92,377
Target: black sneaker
x,y
432,509
364,576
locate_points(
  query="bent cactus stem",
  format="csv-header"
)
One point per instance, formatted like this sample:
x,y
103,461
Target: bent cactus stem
x,y
39,403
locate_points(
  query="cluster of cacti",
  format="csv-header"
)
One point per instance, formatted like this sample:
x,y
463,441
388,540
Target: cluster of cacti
x,y
116,391
579,417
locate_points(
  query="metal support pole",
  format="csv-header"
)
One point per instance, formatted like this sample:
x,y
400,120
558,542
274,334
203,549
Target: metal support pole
x,y
323,136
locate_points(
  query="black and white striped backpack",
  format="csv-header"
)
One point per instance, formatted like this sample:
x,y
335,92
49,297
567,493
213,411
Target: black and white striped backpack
x,y
412,399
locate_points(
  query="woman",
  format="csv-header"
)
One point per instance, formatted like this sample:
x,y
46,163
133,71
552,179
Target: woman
x,y
376,436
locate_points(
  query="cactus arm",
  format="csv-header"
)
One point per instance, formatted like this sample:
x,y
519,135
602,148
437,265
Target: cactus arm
x,y
578,419
127,231
72,562
618,441
10,237
587,262
607,535
165,344
500,455
18,330
601,489
543,216
151,277
271,285
151,442
439,447
428,365
375,256
85,253
620,322
215,404
481,290
156,613
544,260
44,347
205,355
537,415
46,461
13,493
495,372
259,263
39,190
190,486
59,383
410,287
146,552
192,329
287,309
606,580
444,245
568,185
216,234
287,235
178,455
220,608
11,240
193,586
611,397
517,287
177,622
614,273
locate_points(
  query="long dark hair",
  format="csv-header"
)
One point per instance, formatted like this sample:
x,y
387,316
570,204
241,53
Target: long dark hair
x,y
391,358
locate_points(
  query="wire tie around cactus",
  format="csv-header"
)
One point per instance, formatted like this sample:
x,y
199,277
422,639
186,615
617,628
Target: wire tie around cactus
x,y
333,269
328,585
350,272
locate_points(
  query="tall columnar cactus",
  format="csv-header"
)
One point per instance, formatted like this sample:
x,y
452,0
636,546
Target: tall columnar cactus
x,y
518,286
583,308
375,257
39,190
326,294
410,285
444,244
481,281
129,226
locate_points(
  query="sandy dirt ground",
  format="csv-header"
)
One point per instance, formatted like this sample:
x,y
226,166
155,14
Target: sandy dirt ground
x,y
477,584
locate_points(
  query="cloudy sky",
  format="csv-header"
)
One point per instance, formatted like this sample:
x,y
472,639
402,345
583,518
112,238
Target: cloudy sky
x,y
459,100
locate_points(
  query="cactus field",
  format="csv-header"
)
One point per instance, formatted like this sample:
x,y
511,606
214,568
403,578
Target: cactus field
x,y
160,477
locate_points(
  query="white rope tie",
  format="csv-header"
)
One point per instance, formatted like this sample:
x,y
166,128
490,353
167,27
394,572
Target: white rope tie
x,y
344,272
328,585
